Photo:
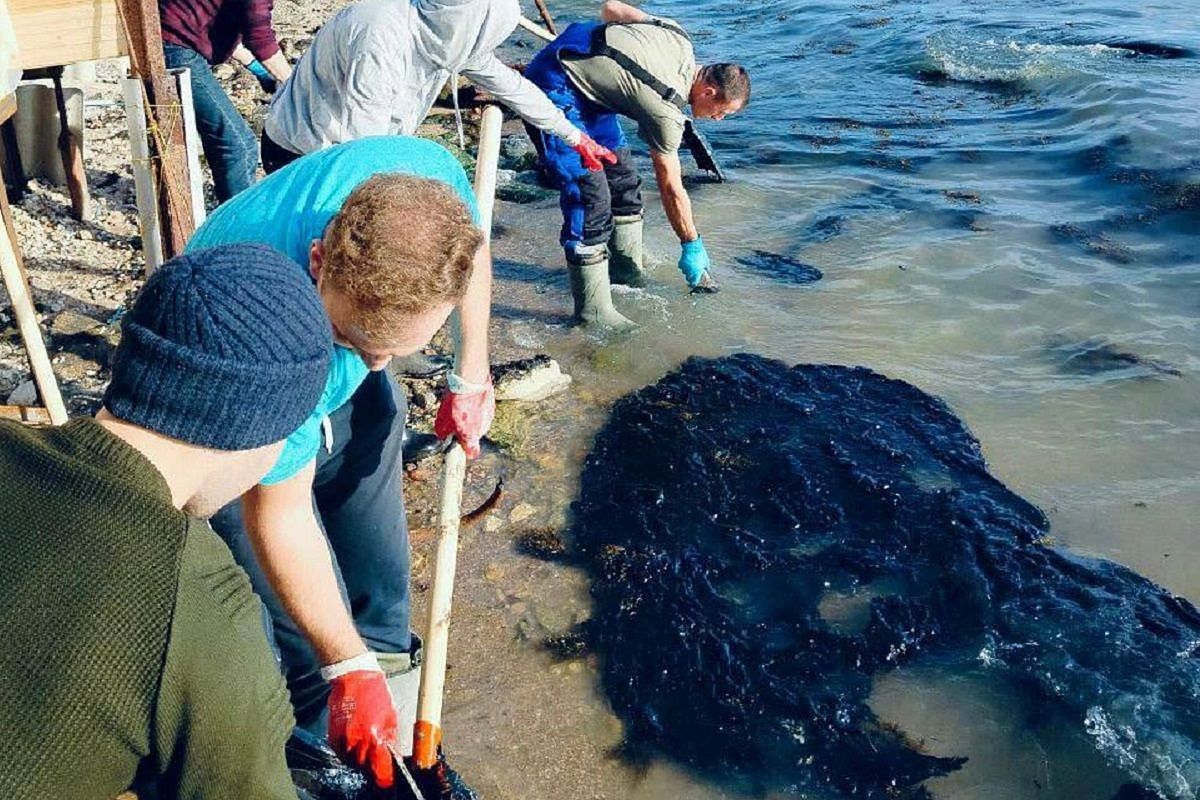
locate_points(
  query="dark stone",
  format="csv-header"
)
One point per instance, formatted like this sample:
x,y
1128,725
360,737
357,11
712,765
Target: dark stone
x,y
781,267
720,506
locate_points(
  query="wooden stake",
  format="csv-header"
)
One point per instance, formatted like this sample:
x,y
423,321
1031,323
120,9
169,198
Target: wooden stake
x,y
143,32
70,149
428,733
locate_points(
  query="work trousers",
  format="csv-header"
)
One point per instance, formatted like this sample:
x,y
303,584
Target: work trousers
x,y
589,200
358,500
228,143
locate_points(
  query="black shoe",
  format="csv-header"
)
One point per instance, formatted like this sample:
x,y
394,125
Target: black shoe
x,y
416,446
419,365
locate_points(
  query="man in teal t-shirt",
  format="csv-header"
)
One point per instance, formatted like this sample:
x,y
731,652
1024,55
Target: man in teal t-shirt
x,y
387,227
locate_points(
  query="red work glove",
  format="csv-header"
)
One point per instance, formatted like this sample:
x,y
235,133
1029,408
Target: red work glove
x,y
466,411
362,724
594,156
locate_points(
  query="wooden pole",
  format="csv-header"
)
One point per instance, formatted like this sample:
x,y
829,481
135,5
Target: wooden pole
x,y
546,18
428,732
70,149
144,34
17,284
535,29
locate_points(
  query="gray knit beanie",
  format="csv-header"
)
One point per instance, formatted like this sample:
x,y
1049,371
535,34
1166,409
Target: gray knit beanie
x,y
225,348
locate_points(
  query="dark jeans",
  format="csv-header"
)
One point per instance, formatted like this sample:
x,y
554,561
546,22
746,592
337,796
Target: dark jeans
x,y
615,192
228,142
358,499
274,155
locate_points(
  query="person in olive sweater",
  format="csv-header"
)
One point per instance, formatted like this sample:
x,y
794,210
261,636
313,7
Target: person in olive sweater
x,y
133,645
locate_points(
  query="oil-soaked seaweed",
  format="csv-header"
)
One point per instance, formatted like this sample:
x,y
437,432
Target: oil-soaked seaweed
x,y
318,774
781,267
1097,356
1153,49
721,505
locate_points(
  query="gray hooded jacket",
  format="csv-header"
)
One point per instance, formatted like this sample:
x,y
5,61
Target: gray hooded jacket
x,y
377,67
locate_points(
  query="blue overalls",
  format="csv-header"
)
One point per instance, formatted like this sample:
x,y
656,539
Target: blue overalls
x,y
589,200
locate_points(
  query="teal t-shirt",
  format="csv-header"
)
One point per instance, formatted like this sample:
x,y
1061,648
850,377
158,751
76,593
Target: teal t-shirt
x,y
290,208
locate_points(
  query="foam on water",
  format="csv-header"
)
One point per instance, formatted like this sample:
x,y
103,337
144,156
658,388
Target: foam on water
x,y
963,58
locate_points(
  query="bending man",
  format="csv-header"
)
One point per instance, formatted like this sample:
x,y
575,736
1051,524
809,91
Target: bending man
x,y
133,645
641,67
386,228
377,67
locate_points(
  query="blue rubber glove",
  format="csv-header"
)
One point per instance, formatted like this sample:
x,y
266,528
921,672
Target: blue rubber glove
x,y
265,79
694,261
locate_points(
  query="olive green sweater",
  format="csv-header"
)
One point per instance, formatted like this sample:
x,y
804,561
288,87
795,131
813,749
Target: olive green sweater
x,y
132,643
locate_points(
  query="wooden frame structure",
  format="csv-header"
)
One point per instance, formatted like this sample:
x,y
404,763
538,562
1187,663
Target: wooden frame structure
x,y
53,33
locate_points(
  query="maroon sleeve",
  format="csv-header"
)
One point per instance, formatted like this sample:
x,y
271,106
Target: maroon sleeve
x,y
258,35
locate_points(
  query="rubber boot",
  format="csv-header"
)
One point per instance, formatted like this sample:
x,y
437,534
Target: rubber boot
x,y
625,252
593,297
403,673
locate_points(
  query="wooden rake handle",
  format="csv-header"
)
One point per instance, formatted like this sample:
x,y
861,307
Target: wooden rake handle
x,y
428,732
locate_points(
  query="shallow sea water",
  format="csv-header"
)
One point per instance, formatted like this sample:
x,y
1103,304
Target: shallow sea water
x,y
1005,204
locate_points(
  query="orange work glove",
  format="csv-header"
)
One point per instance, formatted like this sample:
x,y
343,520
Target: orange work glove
x,y
593,155
466,411
362,724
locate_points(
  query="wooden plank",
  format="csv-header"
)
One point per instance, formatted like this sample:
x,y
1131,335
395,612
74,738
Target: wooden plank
x,y
17,284
54,32
30,415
